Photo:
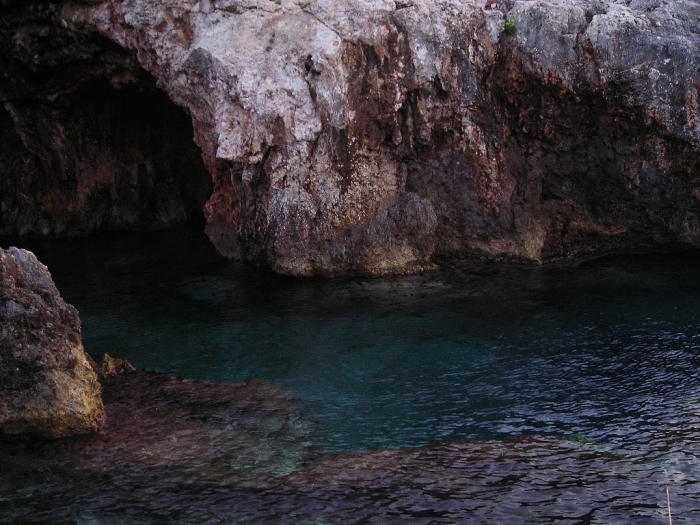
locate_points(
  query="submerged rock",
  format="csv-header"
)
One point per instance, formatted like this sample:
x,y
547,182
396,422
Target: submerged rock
x,y
214,431
215,465
166,443
367,136
47,385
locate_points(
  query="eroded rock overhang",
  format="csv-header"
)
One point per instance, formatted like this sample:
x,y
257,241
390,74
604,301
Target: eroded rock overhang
x,y
379,136
87,140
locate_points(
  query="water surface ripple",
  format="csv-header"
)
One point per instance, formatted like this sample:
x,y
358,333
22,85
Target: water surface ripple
x,y
490,394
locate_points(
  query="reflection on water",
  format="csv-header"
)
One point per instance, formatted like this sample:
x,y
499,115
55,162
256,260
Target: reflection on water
x,y
536,394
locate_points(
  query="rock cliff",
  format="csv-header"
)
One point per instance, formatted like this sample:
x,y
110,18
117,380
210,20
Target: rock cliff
x,y
47,385
343,137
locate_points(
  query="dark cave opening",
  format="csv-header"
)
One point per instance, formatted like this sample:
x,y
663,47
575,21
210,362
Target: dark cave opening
x,y
99,158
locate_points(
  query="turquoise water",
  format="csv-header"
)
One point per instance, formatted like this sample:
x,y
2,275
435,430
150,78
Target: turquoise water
x,y
536,394
605,353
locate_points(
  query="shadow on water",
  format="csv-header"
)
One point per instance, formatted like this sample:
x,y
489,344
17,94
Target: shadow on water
x,y
491,393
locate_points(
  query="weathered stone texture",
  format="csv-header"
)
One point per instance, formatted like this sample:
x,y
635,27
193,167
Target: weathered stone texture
x,y
47,385
381,136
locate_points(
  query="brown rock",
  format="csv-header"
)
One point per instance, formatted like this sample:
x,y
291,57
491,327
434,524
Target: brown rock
x,y
112,367
363,136
47,386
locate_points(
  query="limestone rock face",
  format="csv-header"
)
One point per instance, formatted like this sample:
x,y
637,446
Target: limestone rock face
x,y
382,136
47,386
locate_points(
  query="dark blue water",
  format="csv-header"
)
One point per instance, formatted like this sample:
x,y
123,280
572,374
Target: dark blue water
x,y
606,353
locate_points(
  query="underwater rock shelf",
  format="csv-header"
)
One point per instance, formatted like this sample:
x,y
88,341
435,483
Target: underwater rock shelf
x,y
190,452
162,438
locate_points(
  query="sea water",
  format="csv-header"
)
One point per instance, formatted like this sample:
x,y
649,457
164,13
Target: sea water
x,y
604,354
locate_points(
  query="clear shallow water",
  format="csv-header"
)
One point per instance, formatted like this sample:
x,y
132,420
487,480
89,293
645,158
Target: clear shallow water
x,y
604,357
608,352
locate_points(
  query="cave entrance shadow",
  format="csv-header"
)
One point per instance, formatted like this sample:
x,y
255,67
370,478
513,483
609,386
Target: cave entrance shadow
x,y
100,158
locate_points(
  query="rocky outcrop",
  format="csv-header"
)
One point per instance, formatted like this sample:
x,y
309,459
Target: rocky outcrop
x,y
111,367
47,385
379,136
